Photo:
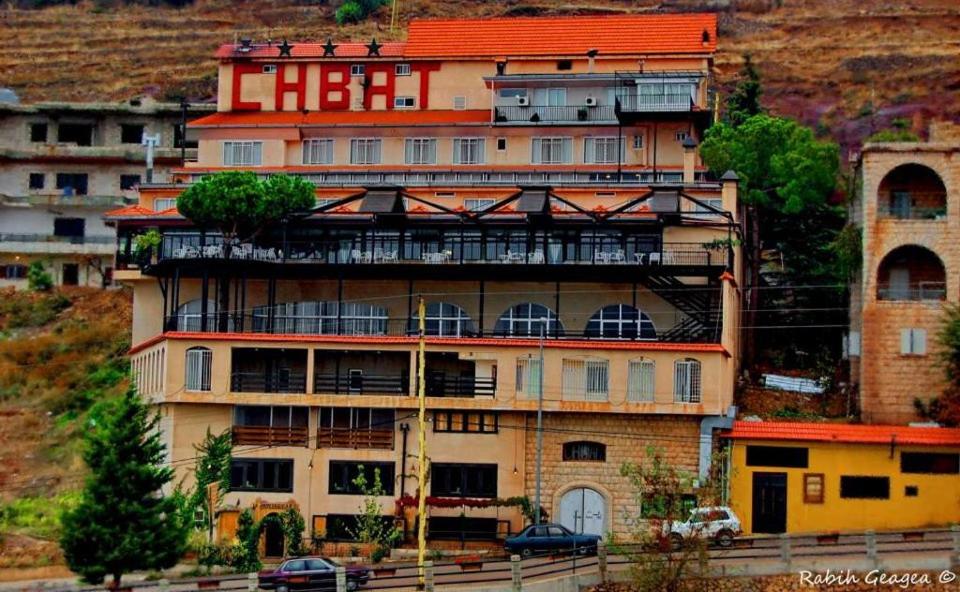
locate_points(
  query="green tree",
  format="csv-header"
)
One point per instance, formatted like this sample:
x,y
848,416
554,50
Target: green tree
x,y
123,521
293,527
744,102
945,408
213,466
240,206
246,555
786,179
38,279
371,526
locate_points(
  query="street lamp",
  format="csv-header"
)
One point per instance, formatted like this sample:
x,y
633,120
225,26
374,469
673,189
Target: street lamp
x,y
536,506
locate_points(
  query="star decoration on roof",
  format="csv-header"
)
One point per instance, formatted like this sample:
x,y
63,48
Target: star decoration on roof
x,y
329,48
373,48
285,49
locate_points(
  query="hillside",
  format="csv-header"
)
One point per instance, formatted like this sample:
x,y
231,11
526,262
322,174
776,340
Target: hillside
x,y
845,66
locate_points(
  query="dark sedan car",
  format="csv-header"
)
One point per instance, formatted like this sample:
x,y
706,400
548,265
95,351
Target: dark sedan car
x,y
550,538
313,573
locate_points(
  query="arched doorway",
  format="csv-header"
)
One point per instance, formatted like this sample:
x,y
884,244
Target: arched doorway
x,y
583,510
911,272
912,192
273,544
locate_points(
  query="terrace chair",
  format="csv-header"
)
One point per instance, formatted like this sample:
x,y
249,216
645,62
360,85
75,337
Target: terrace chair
x,y
654,258
616,256
535,257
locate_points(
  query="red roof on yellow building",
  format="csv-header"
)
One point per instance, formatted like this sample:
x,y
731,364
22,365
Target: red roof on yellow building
x,y
854,434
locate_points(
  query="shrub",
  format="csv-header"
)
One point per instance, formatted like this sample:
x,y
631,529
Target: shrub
x,y
349,13
38,279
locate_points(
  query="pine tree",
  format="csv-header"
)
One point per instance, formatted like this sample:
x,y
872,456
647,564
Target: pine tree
x,y
124,522
744,102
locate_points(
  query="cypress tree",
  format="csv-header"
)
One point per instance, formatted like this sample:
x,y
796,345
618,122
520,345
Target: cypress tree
x,y
744,102
124,522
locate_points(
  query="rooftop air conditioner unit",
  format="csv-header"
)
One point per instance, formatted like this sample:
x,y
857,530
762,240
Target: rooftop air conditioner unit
x,y
591,102
523,101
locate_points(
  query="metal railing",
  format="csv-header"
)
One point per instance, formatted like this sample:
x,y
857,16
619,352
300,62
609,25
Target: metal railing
x,y
52,238
260,382
888,211
554,114
460,386
651,103
355,438
913,291
366,384
270,436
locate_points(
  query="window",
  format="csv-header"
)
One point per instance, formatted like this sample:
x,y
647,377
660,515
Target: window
x,y
586,380
446,320
551,150
913,342
190,315
14,272
713,202
777,456
357,70
340,527
319,317
198,369
461,421
402,70
37,180
420,151
242,153
468,150
564,64
343,474
38,132
365,151
459,103
686,381
357,419
131,133
272,416
864,487
640,380
80,134
620,321
70,227
318,151
463,480
606,150
525,320
72,183
511,93
269,69
404,102
911,491
550,97
477,204
501,144
813,488
940,463
164,203
256,474
587,451
637,141
129,182
528,377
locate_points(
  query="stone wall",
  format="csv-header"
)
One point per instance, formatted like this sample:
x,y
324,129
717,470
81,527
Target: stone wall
x,y
626,438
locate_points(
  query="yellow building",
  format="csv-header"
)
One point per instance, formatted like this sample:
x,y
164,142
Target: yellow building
x,y
529,178
814,477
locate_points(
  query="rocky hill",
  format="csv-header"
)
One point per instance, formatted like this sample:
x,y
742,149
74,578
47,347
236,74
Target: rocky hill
x,y
846,67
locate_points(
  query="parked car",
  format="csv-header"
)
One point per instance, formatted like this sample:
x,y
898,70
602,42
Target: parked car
x,y
717,523
313,573
550,538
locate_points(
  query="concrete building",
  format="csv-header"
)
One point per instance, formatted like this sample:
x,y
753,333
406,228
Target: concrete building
x,y
62,166
523,189
908,211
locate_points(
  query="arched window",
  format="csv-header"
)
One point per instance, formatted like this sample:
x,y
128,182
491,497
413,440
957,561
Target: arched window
x,y
190,316
911,272
445,320
686,381
585,451
524,320
317,317
198,369
912,191
640,380
620,321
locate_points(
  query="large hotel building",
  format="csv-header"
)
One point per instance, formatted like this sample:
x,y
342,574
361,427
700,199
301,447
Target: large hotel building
x,y
537,182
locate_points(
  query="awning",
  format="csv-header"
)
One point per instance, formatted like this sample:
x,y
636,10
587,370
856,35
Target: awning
x,y
382,201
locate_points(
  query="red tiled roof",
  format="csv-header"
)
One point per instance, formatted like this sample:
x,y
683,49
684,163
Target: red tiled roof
x,y
390,49
399,340
831,432
341,118
568,36
129,212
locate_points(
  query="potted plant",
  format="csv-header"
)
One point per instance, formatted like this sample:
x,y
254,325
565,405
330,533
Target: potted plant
x,y
146,246
379,569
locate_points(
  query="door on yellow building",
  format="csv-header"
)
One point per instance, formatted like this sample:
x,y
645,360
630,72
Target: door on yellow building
x,y
582,510
769,503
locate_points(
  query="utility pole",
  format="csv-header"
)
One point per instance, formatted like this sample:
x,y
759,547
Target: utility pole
x,y
536,503
393,16
422,441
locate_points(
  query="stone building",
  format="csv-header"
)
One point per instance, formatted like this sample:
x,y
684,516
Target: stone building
x,y
524,189
908,210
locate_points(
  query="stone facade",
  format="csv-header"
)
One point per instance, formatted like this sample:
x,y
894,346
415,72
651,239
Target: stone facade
x,y
907,210
627,439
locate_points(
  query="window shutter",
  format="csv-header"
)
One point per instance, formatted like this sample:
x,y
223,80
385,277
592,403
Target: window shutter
x,y
589,150
536,148
905,339
567,144
919,342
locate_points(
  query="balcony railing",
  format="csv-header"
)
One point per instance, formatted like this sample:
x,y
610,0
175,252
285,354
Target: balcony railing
x,y
51,238
354,438
258,382
534,114
460,386
654,103
368,384
888,211
914,291
270,436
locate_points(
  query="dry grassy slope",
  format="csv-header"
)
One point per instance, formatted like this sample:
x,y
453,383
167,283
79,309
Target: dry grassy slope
x,y
823,61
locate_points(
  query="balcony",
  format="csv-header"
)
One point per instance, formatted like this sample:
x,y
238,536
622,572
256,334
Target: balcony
x,y
359,373
256,370
539,114
62,199
270,436
57,245
912,192
380,439
912,291
655,103
448,376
